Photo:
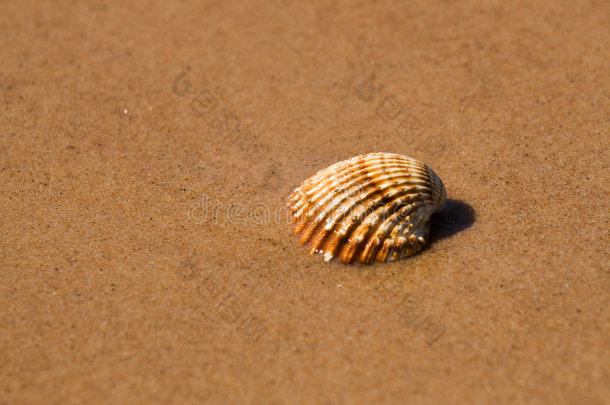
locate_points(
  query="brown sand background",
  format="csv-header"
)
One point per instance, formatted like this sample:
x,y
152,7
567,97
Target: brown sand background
x,y
111,293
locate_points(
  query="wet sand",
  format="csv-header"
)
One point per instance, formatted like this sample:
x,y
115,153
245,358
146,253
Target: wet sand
x,y
147,151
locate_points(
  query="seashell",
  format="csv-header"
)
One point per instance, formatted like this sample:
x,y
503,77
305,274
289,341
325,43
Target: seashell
x,y
373,207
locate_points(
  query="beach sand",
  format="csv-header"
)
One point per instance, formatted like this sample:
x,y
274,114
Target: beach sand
x,y
147,151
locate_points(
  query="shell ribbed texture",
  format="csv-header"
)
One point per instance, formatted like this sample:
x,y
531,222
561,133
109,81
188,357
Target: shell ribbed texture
x,y
372,207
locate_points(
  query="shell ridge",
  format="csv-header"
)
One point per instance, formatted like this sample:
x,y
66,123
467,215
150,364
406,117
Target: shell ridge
x,y
371,252
344,228
344,204
357,169
352,186
371,226
372,207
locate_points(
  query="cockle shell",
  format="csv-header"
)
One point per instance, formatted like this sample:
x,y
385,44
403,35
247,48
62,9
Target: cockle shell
x,y
370,207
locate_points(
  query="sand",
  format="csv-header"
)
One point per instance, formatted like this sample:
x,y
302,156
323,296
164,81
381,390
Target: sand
x,y
147,150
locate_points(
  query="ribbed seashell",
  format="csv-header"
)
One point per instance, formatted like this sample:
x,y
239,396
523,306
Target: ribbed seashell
x,y
372,207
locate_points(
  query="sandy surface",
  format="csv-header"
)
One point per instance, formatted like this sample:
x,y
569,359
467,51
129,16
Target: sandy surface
x,y
146,152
